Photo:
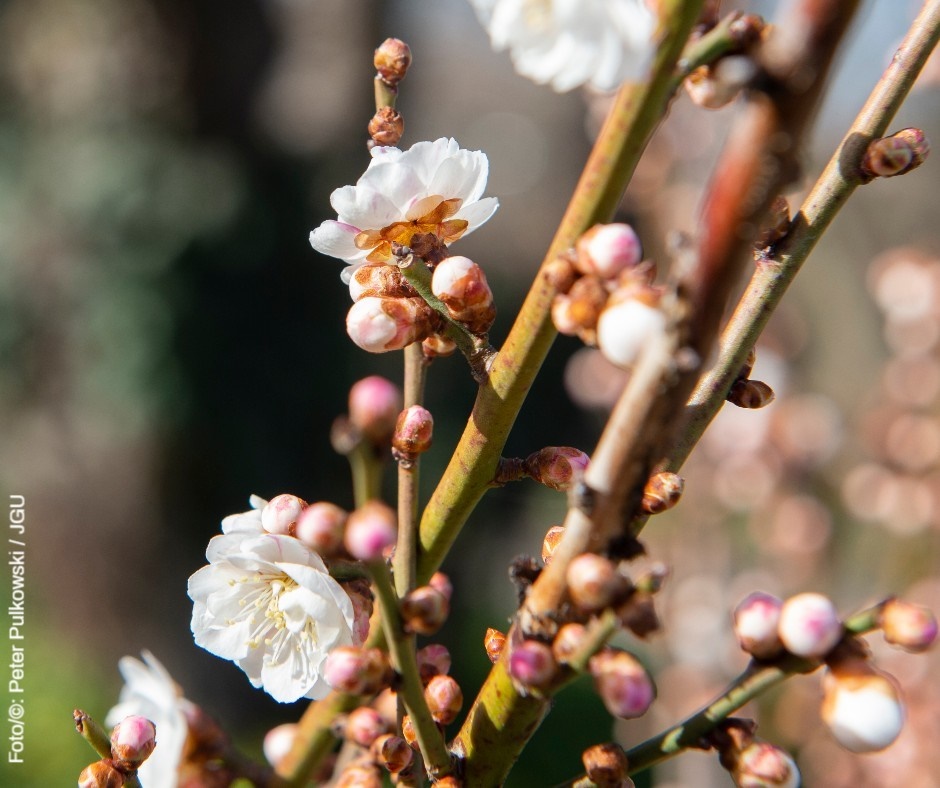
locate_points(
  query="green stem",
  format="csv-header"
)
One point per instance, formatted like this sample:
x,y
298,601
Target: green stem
x,y
366,469
401,650
722,39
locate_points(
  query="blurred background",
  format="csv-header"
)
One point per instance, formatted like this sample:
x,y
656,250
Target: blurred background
x,y
170,344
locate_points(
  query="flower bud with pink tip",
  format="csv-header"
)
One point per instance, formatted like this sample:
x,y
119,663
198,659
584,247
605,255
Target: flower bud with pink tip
x,y
594,583
910,627
558,467
379,325
532,665
424,610
369,530
809,625
605,765
622,683
132,741
433,660
861,706
444,698
761,764
280,514
607,249
278,742
494,642
320,526
756,622
358,671
630,321
392,752
374,405
442,583
364,725
412,435
101,774
461,286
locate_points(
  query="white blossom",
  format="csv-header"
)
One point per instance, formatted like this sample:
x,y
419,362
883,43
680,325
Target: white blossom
x,y
150,691
433,187
567,43
268,603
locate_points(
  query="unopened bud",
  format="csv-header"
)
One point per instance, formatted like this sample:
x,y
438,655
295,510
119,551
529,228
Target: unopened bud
x,y
359,592
392,59
494,642
378,325
625,326
359,775
433,660
756,622
717,85
861,706
374,405
379,280
438,345
278,742
764,765
638,614
910,627
577,311
412,433
551,541
605,765
622,683
750,394
280,514
532,665
444,698
320,527
408,732
386,126
392,752
809,625
364,725
568,641
358,671
462,287
101,774
369,530
424,610
558,467
442,583
662,492
607,249
895,155
132,741
594,582
560,273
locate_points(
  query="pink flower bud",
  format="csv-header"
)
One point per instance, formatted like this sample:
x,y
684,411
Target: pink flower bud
x,y
861,706
607,249
605,764
433,660
320,527
557,467
551,541
424,610
360,593
445,699
568,641
763,765
756,621
594,582
532,665
392,752
626,326
278,742
623,684
494,642
101,774
910,627
442,583
364,726
357,671
392,59
379,325
132,741
462,287
369,530
412,433
809,625
374,404
280,514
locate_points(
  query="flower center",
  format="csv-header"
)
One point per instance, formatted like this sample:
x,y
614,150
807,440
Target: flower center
x,y
262,608
430,215
538,14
